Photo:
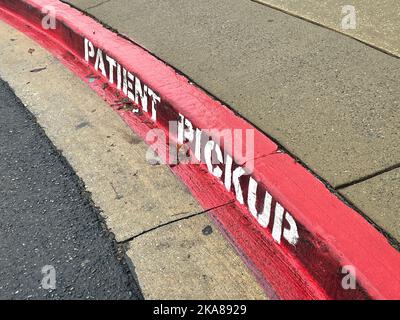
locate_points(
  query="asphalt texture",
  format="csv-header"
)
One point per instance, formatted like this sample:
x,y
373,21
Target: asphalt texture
x,y
48,219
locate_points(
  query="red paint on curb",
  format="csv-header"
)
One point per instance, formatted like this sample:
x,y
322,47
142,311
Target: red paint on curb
x,y
330,234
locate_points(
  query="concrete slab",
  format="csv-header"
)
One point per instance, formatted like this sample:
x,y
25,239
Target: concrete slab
x,y
162,258
380,198
377,22
110,159
327,98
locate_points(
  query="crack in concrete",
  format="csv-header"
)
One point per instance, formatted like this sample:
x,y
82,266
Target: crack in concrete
x,y
171,222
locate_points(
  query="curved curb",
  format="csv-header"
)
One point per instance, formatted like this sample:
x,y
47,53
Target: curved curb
x,y
290,229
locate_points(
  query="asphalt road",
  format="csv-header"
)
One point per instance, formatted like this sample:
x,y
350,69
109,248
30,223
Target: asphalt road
x,y
47,220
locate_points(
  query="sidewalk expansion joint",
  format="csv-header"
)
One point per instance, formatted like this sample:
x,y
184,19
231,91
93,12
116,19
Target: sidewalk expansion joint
x,y
171,222
97,5
326,27
368,177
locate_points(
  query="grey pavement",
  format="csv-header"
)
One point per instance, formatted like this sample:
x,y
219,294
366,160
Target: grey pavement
x,y
328,99
381,196
47,219
376,22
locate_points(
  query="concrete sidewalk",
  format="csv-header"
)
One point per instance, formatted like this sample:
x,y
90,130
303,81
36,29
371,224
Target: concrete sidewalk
x,y
376,22
328,99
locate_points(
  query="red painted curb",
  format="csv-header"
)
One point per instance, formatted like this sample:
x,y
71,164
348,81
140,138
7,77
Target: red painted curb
x,y
289,228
